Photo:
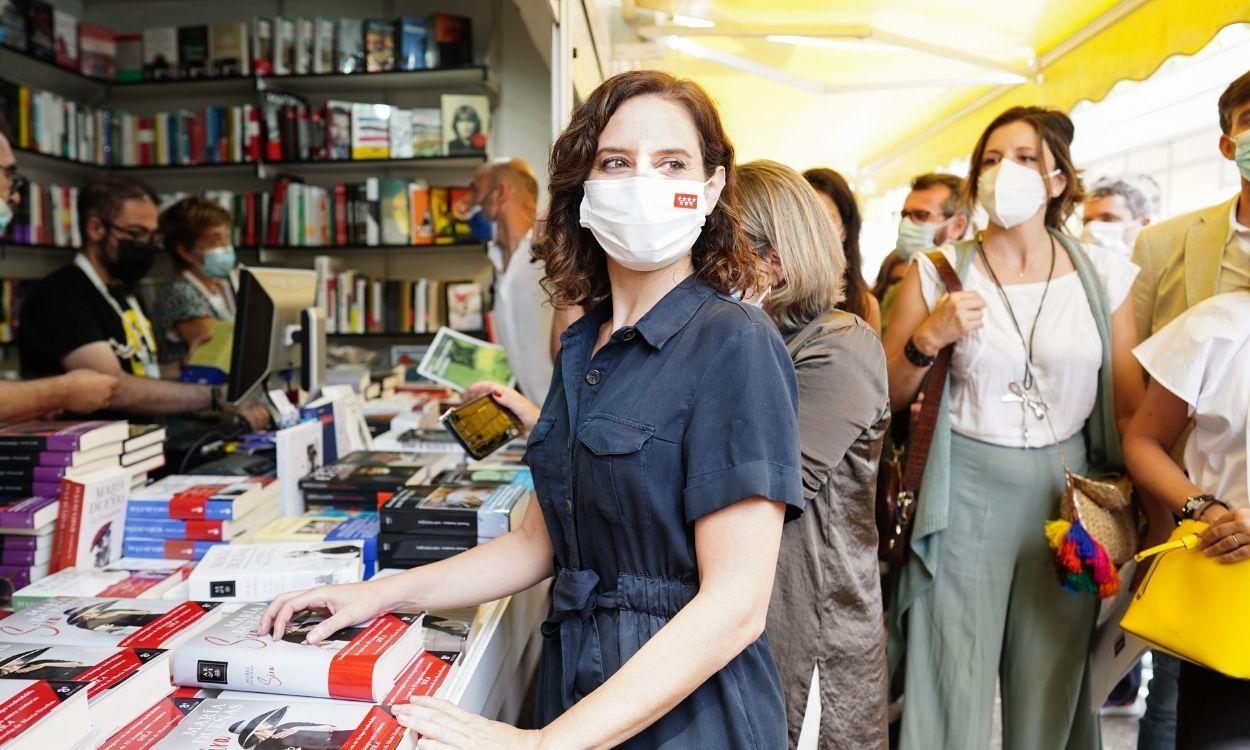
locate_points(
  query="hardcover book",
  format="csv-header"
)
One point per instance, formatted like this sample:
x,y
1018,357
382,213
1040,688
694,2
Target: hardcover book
x,y
283,46
464,306
394,210
323,46
264,723
97,51
262,46
370,131
466,123
229,49
13,23
94,621
427,131
260,572
476,511
130,57
38,714
413,36
66,30
122,680
410,551
160,52
371,472
304,41
41,33
339,131
193,51
358,663
451,41
401,133
92,510
60,436
350,46
379,45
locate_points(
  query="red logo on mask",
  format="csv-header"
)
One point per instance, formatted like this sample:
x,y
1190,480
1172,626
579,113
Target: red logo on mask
x,y
685,200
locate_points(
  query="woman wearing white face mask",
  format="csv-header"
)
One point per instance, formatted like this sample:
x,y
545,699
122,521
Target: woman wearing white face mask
x,y
665,459
1042,317
197,237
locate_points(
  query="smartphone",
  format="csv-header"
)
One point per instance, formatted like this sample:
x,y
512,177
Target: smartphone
x,y
482,426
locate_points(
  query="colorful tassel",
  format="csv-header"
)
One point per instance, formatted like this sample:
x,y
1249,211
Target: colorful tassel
x,y
1081,562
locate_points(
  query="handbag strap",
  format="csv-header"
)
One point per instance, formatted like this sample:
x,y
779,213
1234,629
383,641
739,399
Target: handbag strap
x,y
934,385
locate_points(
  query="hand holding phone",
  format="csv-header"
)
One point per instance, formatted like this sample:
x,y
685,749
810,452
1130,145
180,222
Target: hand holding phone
x,y
482,425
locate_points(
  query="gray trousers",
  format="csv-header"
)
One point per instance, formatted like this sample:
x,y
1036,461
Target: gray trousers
x,y
996,613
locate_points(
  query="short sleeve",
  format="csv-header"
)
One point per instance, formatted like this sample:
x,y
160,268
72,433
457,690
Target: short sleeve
x,y
742,439
1116,273
1194,353
56,326
931,285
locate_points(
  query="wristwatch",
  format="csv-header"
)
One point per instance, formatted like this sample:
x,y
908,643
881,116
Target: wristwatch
x,y
915,356
1196,505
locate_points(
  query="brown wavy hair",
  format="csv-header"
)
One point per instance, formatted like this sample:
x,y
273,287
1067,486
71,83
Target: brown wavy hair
x,y
576,268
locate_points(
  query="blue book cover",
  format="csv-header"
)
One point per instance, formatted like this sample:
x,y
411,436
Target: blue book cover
x,y
214,510
413,35
166,549
329,441
361,528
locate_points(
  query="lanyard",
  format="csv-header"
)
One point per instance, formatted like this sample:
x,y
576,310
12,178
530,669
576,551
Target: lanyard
x,y
140,346
223,305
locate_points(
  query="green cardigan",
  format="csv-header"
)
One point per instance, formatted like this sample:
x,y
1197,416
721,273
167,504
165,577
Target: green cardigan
x,y
932,512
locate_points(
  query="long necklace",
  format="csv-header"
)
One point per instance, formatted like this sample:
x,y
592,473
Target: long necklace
x,y
1028,381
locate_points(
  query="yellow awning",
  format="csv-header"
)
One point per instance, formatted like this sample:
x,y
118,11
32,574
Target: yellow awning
x,y
884,89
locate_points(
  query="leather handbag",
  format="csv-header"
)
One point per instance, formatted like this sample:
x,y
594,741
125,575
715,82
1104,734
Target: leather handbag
x,y
1193,606
898,490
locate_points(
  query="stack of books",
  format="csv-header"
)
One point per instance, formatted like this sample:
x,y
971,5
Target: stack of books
x,y
181,516
34,456
126,578
328,525
367,479
425,524
26,530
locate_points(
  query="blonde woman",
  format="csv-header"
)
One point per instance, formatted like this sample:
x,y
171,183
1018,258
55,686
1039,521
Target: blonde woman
x,y
826,606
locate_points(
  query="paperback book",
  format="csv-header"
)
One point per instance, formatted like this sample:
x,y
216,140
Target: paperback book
x,y
38,714
116,581
95,621
91,513
260,572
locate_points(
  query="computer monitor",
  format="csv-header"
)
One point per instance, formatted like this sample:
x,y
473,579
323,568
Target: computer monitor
x,y
278,329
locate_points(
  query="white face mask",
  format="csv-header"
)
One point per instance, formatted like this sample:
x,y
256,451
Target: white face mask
x,y
1113,235
6,216
1011,192
645,223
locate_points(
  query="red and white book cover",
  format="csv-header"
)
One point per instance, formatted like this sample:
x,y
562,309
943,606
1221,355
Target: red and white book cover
x,y
93,621
39,715
266,723
115,581
358,663
90,519
123,680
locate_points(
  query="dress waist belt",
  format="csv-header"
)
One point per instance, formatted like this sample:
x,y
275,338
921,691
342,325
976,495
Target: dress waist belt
x,y
575,599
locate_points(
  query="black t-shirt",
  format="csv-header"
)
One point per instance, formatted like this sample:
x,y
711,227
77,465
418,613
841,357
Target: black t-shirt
x,y
63,312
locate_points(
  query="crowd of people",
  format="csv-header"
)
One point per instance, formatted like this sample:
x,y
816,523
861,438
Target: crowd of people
x,y
708,385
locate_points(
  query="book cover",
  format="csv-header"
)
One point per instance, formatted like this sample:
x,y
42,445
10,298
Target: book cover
x,y
464,306
283,46
13,24
166,549
475,511
458,361
193,51
40,714
411,550
228,49
304,41
129,57
379,45
172,528
160,52
374,471
22,575
97,46
121,680
115,581
358,663
264,723
323,46
339,131
427,131
401,133
41,33
142,436
60,436
201,497
65,27
262,46
394,210
26,558
451,41
260,572
30,513
92,509
413,36
299,451
466,124
94,621
350,46
421,223
371,131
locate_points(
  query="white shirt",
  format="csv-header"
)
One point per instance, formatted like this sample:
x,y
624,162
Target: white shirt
x,y
1067,353
1235,265
1202,357
523,318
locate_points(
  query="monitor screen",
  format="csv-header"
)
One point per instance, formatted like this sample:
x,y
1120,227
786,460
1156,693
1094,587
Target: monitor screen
x,y
268,303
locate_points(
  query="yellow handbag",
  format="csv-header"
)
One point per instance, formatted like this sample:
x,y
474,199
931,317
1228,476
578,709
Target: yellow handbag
x,y
1193,606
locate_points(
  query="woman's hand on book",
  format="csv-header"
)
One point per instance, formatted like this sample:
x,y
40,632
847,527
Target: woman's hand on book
x,y
443,726
509,398
346,604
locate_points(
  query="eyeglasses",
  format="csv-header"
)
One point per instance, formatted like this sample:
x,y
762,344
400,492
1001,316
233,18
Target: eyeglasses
x,y
920,216
137,234
15,180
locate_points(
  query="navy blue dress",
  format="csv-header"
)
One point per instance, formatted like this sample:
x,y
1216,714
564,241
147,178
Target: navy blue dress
x,y
690,411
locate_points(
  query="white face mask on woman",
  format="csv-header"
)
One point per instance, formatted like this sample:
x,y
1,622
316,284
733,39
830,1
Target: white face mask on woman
x,y
1011,192
645,223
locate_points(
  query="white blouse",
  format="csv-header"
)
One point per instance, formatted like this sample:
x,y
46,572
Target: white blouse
x,y
1203,357
1067,353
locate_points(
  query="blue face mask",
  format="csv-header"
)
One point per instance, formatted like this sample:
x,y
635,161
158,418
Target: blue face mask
x,y
1242,154
483,229
219,262
914,237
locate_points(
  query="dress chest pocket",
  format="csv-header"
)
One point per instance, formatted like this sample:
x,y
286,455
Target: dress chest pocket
x,y
612,469
548,461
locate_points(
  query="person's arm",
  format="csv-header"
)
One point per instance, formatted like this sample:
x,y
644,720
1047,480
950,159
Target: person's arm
x,y
77,391
195,331
502,567
872,312
1126,372
561,319
954,316
736,548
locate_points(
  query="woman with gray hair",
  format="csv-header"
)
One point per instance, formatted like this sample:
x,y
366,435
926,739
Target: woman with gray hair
x,y
825,616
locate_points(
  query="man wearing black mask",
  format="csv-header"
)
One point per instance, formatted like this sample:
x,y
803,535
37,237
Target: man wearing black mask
x,y
87,315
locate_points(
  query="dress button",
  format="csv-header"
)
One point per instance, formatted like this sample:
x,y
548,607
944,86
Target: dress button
x,y
593,377
568,505
628,334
